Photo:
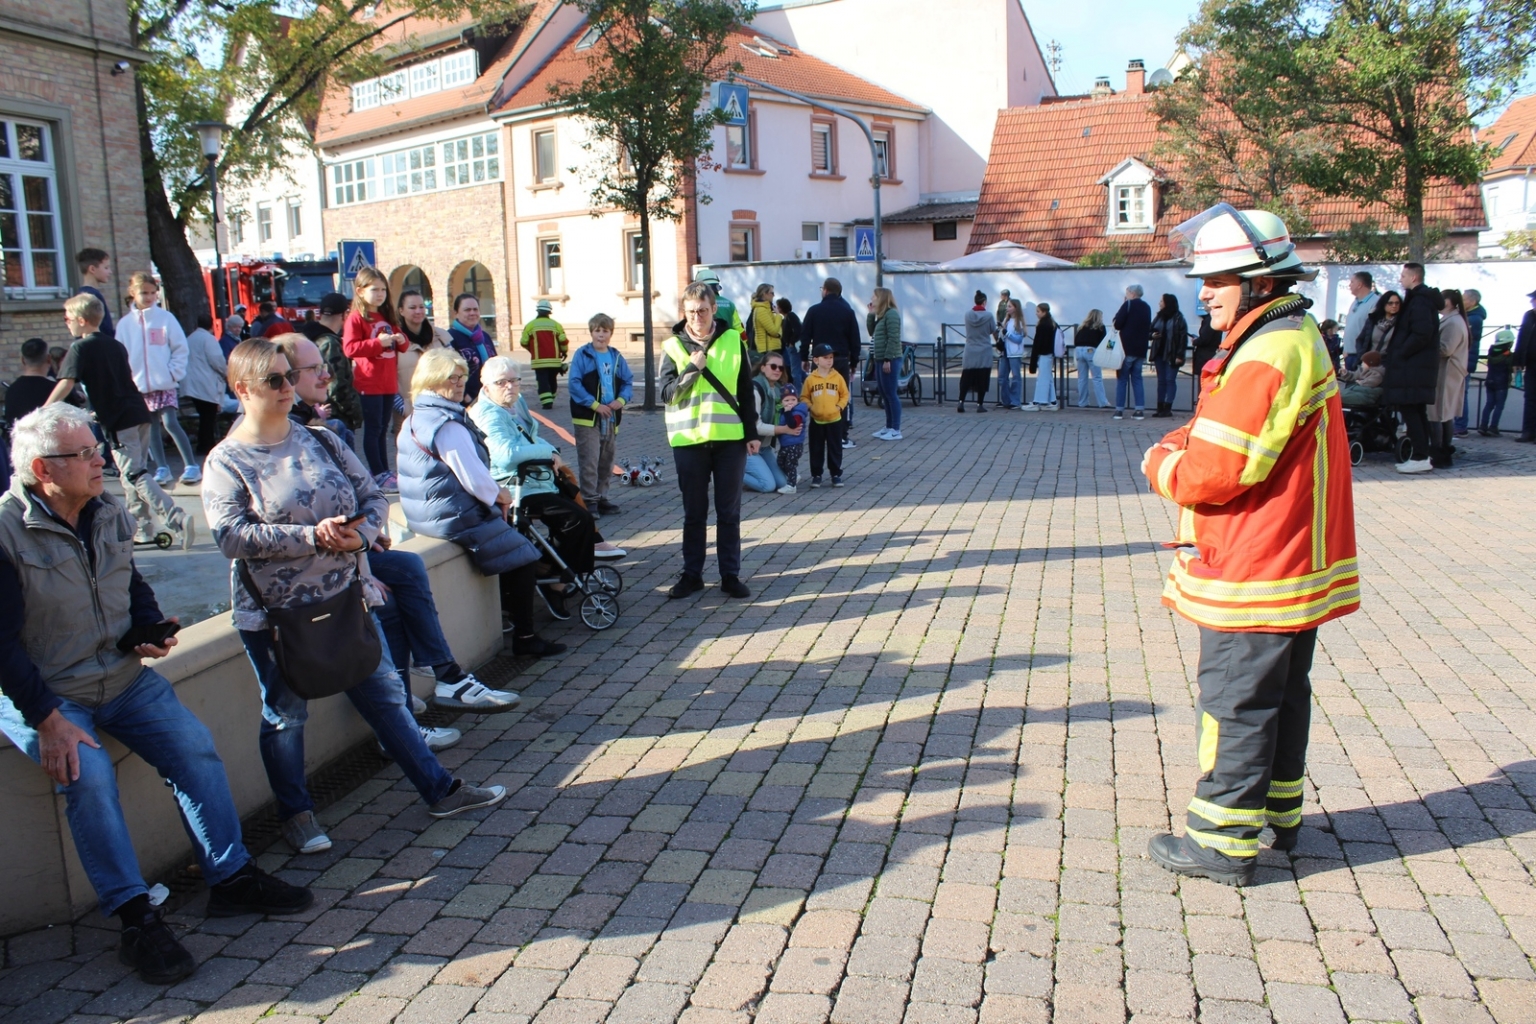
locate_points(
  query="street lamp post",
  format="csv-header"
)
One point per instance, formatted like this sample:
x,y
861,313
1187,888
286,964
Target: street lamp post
x,y
211,136
874,157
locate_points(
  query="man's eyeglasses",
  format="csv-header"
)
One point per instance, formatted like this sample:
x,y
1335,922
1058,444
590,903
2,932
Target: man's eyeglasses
x,y
274,381
320,370
83,455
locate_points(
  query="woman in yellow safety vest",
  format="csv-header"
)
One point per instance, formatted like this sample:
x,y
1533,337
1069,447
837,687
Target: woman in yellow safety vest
x,y
706,384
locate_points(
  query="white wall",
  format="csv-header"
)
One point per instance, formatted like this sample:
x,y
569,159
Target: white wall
x,y
298,181
963,59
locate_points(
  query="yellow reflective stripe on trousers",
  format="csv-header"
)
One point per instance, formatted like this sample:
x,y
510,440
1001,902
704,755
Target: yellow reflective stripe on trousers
x,y
1210,733
1285,819
1226,817
1226,844
1281,790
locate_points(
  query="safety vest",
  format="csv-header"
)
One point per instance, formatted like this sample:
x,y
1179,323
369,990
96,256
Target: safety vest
x,y
701,413
1266,537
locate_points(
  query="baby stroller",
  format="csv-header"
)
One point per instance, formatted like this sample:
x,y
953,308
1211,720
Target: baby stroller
x,y
1374,429
599,589
909,383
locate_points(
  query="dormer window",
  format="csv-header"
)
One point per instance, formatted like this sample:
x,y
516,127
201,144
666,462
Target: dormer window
x,y
1131,195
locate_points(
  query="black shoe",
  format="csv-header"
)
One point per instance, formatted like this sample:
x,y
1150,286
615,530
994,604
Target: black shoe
x,y
151,949
535,646
1174,854
554,600
1526,438
686,584
1279,839
1483,432
608,508
980,407
733,587
253,891
960,407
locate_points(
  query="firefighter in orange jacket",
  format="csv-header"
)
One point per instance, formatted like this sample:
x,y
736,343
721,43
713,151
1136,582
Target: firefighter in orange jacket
x,y
1266,539
544,339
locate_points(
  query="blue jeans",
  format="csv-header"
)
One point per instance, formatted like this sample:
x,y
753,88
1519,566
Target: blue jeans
x,y
763,473
149,720
409,616
1493,409
888,392
1045,380
378,411
1129,377
1010,380
1167,383
1086,373
380,699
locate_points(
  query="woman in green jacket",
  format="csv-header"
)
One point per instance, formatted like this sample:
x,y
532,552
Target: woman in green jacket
x,y
885,349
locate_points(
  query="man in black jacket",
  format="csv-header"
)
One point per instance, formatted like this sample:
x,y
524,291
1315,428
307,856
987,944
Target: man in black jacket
x,y
1134,322
1412,363
1525,345
832,322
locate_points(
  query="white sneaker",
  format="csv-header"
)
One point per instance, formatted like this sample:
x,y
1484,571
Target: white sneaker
x,y
440,738
304,833
184,528
894,435
1030,407
881,435
470,694
610,553
789,489
192,475
1415,466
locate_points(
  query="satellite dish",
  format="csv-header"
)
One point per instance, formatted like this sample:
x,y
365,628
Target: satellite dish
x,y
1160,78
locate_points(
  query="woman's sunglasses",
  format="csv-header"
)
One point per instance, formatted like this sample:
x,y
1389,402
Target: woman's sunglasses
x,y
773,366
274,381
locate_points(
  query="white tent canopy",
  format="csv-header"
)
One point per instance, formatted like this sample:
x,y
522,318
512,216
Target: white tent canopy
x,y
1004,256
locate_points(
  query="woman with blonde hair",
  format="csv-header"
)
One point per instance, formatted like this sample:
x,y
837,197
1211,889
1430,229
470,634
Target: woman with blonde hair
x,y
299,510
1089,334
447,491
884,323
767,323
371,339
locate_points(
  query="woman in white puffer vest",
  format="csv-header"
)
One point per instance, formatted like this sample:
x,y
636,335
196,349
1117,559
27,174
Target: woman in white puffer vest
x,y
157,352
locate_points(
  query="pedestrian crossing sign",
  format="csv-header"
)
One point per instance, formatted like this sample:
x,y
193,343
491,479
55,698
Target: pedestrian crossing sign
x,y
864,245
731,100
355,255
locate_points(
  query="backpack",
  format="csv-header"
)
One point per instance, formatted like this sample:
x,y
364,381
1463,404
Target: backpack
x,y
749,329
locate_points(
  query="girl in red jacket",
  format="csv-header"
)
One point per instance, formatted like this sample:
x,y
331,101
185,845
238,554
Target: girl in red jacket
x,y
371,339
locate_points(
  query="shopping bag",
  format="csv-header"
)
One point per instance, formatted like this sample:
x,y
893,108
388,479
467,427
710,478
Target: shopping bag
x,y
1109,355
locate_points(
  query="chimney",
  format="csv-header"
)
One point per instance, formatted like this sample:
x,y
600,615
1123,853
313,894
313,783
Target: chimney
x,y
1135,78
1101,89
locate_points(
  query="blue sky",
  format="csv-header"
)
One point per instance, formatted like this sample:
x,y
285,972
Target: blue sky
x,y
1098,37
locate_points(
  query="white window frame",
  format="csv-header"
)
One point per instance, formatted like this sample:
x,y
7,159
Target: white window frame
x,y
883,152
264,222
1130,207
432,167
828,133
46,169
749,237
393,87
551,262
294,214
632,271
551,174
408,171
365,95
747,144
476,160
426,77
460,68
353,182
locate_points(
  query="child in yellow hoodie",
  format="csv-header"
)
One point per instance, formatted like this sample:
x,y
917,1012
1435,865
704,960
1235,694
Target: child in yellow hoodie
x,y
827,393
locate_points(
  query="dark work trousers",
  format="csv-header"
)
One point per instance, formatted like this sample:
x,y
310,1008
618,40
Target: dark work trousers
x,y
1251,727
726,463
517,598
826,442
571,528
1416,420
1528,420
843,366
549,380
207,425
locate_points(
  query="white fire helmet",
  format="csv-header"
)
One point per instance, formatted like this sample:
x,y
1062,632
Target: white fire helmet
x,y
1248,243
708,276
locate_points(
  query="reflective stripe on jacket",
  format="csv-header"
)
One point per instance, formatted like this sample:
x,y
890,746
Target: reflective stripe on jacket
x,y
1267,527
545,341
699,413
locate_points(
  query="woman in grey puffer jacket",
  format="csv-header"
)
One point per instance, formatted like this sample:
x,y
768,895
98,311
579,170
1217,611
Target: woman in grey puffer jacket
x,y
976,362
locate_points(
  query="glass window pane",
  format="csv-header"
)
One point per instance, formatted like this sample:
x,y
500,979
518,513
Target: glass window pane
x,y
45,270
479,170
429,179
29,142
37,193
10,238
13,270
429,157
450,175
415,159
477,145
40,230
5,140
463,145
492,147
493,168
416,181
7,196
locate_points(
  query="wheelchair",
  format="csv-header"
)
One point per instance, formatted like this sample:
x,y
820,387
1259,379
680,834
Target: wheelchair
x,y
599,589
909,383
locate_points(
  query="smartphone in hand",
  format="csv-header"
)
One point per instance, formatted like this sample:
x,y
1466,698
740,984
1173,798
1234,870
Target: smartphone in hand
x,y
155,634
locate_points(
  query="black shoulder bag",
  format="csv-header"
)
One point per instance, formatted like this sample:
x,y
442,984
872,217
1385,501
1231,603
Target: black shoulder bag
x,y
725,392
326,647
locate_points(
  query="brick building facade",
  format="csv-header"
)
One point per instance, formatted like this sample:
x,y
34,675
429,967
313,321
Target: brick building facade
x,y
70,156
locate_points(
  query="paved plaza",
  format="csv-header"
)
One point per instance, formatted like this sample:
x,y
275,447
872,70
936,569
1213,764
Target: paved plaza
x,y
913,780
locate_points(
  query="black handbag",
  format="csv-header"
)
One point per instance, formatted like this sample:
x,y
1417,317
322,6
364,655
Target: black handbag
x,y
326,647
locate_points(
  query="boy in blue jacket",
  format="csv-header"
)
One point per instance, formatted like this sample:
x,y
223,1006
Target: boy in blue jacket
x,y
600,385
796,415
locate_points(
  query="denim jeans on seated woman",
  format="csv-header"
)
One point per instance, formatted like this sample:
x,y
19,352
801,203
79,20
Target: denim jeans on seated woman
x,y
763,473
148,719
1129,376
380,699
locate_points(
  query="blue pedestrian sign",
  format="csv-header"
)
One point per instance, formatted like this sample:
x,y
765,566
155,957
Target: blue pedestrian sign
x,y
863,245
731,99
355,255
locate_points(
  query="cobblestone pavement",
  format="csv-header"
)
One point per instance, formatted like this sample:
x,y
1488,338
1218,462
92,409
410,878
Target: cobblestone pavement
x,y
913,780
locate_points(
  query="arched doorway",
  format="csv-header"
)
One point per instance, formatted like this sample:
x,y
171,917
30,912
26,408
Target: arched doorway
x,y
411,277
475,279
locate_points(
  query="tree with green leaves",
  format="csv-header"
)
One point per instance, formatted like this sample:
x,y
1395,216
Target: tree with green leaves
x,y
642,102
262,65
1369,100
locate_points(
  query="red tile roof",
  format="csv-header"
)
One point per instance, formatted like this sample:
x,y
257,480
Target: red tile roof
x,y
1041,187
1515,133
790,69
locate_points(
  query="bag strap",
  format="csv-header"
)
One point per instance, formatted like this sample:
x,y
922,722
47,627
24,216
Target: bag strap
x,y
249,583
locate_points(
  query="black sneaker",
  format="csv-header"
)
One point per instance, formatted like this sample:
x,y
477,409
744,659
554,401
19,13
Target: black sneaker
x,y
1178,854
253,891
837,481
554,600
686,584
733,587
151,949
535,646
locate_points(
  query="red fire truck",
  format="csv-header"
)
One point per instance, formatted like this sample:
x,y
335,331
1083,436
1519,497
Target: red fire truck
x,y
293,286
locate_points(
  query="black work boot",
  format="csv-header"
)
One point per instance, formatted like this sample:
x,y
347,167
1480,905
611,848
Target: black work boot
x,y
1183,857
150,947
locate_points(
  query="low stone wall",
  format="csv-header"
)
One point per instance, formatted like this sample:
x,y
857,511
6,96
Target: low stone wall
x,y
43,882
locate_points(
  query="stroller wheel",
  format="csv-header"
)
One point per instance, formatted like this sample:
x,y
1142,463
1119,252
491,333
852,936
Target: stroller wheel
x,y
1404,449
869,398
600,610
1356,453
603,578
